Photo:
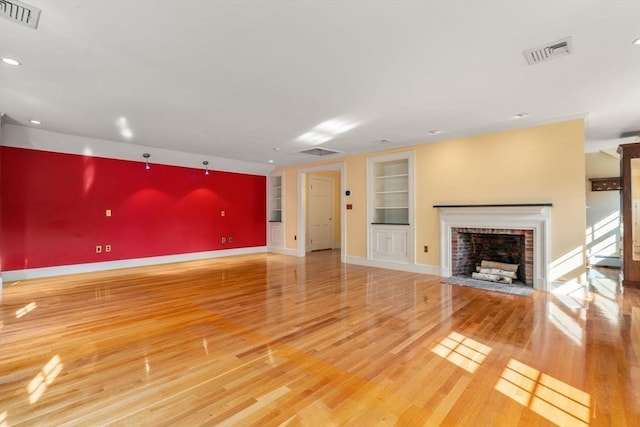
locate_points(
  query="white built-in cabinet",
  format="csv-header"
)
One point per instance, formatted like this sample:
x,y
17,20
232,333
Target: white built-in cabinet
x,y
390,207
390,242
275,193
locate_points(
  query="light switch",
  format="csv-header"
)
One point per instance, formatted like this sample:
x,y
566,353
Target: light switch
x,y
222,213
108,212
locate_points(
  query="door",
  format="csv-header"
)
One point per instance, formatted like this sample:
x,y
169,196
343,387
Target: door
x,y
320,213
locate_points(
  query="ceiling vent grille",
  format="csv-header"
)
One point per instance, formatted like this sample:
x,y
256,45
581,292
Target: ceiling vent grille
x,y
630,134
316,151
549,51
20,13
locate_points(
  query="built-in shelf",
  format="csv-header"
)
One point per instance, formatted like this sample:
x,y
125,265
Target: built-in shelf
x,y
275,209
390,199
391,191
275,198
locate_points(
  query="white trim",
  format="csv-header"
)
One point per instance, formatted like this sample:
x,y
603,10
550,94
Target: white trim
x,y
302,235
433,270
536,218
38,139
284,251
34,273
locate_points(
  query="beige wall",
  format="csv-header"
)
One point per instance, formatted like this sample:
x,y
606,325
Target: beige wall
x,y
538,164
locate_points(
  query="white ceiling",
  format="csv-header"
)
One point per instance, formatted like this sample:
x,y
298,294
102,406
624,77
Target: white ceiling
x,y
235,79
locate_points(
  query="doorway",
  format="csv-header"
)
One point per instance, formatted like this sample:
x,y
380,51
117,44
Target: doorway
x,y
334,173
321,202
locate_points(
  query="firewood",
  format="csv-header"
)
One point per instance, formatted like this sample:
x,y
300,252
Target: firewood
x,y
492,278
499,272
500,265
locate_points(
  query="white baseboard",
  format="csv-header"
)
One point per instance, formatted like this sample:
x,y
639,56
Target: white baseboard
x,y
411,268
34,273
284,251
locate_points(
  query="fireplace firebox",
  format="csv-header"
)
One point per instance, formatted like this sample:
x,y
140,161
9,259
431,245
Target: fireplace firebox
x,y
471,246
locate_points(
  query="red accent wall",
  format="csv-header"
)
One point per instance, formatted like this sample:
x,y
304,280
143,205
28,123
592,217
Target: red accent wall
x,y
54,205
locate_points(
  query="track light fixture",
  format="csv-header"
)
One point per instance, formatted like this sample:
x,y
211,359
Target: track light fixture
x,y
206,167
146,158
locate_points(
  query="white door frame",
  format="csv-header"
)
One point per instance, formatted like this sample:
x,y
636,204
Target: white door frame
x,y
302,207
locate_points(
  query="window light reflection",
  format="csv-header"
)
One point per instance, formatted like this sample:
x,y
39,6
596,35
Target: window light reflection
x,y
567,263
545,395
26,309
45,377
462,351
565,323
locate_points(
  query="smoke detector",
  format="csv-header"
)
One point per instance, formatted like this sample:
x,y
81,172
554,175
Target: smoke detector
x,y
549,51
20,13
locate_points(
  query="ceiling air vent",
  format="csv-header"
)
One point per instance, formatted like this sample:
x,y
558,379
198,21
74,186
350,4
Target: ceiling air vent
x,y
20,13
549,51
630,134
315,151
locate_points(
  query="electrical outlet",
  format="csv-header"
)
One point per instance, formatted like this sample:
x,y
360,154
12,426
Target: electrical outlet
x,y
426,248
230,239
223,213
98,249
224,240
107,248
107,212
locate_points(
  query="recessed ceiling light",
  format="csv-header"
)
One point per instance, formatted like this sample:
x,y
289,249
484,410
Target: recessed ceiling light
x,y
270,161
520,115
434,132
636,42
276,148
35,122
10,61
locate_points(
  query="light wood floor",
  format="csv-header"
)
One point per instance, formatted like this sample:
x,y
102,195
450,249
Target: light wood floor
x,y
274,340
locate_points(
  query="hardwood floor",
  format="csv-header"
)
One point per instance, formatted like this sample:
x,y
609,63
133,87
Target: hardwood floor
x,y
275,340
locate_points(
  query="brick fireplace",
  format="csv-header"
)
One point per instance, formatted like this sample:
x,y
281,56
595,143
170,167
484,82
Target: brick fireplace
x,y
470,246
516,234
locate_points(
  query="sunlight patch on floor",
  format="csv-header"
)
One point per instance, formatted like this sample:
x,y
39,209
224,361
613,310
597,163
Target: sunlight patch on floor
x,y
45,377
545,395
462,351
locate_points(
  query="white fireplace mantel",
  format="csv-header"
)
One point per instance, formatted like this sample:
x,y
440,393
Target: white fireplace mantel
x,y
536,217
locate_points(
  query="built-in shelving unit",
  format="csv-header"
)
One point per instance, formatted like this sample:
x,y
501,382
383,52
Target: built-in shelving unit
x,y
275,198
391,207
275,209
